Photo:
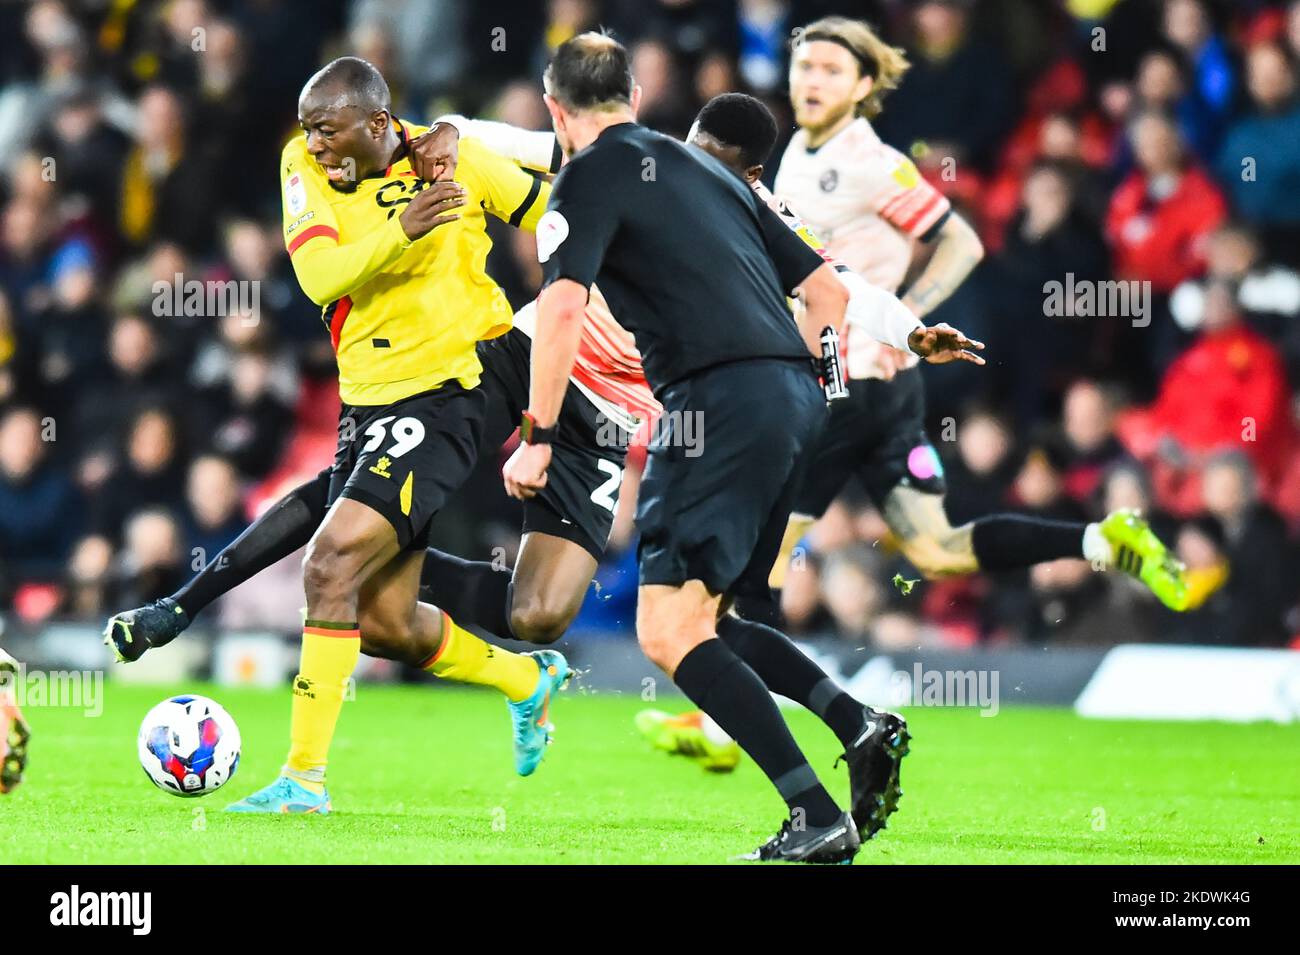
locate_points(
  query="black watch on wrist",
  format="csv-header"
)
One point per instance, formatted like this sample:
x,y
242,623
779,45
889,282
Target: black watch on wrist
x,y
530,432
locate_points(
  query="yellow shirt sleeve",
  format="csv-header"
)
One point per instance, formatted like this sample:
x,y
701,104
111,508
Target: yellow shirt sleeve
x,y
508,192
328,269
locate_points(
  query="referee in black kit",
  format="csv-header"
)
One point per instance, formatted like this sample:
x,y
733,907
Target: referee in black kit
x,y
698,269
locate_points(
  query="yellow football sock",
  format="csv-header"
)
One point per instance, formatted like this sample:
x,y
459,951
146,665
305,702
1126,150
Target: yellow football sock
x,y
465,658
329,655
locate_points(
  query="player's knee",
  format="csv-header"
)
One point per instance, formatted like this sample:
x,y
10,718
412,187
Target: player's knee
x,y
537,621
329,572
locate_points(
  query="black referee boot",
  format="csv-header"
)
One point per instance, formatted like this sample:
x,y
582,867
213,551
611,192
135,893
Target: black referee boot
x,y
835,844
874,759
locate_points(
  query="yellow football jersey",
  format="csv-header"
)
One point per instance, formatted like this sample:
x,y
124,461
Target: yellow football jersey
x,y
403,316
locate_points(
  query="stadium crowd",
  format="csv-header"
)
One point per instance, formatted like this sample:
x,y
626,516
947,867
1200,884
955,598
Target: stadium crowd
x,y
1154,142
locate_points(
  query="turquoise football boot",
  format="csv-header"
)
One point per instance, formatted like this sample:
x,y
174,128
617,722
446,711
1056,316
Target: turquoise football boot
x,y
285,795
531,717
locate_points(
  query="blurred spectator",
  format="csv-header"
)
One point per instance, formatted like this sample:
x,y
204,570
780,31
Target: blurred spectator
x,y
978,477
24,240
137,372
1228,390
1188,26
249,421
956,100
664,103
764,29
1260,160
68,336
1163,86
40,513
1048,242
1090,446
1261,579
88,579
152,563
86,150
852,592
166,185
801,598
1161,214
215,514
1268,294
148,473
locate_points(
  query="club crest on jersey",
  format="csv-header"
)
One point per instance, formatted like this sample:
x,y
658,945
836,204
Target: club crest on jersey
x,y
295,194
552,230
829,180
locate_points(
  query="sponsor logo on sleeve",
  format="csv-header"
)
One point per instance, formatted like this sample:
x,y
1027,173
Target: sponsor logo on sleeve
x,y
310,214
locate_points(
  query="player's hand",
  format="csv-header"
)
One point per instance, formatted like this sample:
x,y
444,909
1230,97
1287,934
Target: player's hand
x,y
431,208
434,154
940,344
525,472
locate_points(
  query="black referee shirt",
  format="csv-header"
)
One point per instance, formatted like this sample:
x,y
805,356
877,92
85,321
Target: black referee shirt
x,y
689,259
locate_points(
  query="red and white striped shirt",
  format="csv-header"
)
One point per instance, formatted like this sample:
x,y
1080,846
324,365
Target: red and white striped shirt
x,y
608,367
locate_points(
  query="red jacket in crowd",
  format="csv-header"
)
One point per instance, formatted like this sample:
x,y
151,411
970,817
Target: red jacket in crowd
x,y
1227,391
1163,240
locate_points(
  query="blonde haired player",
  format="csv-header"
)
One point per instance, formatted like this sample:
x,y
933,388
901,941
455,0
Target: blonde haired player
x,y
871,207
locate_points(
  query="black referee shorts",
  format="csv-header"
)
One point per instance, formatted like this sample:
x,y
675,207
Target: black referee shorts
x,y
586,472
715,509
405,459
878,434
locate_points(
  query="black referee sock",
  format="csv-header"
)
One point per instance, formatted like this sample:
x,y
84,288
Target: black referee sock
x,y
1012,541
723,686
788,671
762,608
272,537
475,592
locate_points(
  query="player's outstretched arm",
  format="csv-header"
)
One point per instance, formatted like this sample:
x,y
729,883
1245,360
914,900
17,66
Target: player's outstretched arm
x,y
434,153
957,251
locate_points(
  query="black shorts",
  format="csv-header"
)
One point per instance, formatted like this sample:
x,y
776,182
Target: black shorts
x,y
587,455
877,433
715,509
405,459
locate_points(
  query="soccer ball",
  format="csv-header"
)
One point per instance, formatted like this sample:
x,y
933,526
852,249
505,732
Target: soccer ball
x,y
189,746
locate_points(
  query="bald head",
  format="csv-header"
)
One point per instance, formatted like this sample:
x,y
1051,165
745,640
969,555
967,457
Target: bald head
x,y
347,81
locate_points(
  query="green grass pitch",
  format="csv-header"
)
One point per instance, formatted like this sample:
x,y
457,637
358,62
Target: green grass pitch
x,y
423,775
